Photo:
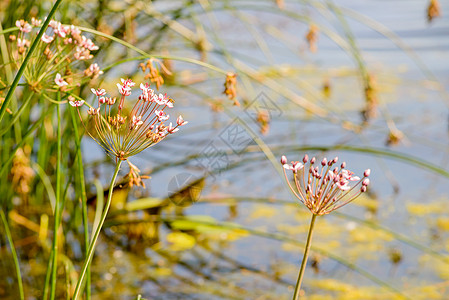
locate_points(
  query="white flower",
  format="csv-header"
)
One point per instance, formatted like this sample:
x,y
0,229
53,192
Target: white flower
x,y
60,81
76,103
180,121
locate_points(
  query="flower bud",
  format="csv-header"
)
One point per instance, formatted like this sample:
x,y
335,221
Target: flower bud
x,y
343,165
312,161
283,160
365,182
324,162
305,159
363,189
367,172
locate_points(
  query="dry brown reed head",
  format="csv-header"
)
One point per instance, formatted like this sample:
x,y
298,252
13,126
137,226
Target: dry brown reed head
x,y
133,177
371,99
312,38
433,10
21,172
326,88
230,87
280,4
395,136
263,118
153,73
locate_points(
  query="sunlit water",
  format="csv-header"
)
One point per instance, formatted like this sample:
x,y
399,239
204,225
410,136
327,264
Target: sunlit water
x,y
413,97
404,198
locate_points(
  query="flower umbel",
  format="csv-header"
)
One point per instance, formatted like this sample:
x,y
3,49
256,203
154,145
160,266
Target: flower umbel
x,y
324,189
126,134
58,62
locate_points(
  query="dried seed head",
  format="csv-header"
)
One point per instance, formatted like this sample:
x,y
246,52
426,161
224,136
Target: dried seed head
x,y
280,4
312,38
433,10
371,99
230,87
263,118
21,173
395,136
134,177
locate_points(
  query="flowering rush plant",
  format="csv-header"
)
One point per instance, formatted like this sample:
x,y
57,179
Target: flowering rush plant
x,y
60,47
322,190
327,189
124,134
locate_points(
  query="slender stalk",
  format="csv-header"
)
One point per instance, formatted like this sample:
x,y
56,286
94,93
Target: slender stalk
x,y
47,277
57,204
14,254
83,196
9,78
304,259
27,58
91,251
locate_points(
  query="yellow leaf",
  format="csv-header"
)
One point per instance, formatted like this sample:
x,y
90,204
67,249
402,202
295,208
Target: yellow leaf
x,y
263,211
421,209
443,223
180,241
162,272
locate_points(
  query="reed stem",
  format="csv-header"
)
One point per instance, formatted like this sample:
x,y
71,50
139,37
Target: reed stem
x,y
14,254
54,267
83,197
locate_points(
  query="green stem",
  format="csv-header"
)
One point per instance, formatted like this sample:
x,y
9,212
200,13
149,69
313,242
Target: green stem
x,y
27,58
57,209
9,78
83,197
47,277
304,259
91,251
14,254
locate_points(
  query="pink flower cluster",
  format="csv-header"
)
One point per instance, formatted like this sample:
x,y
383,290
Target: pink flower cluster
x,y
61,45
69,34
144,126
327,188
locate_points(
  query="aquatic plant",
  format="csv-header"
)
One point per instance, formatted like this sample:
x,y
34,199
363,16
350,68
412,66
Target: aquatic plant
x,y
56,63
123,135
322,191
